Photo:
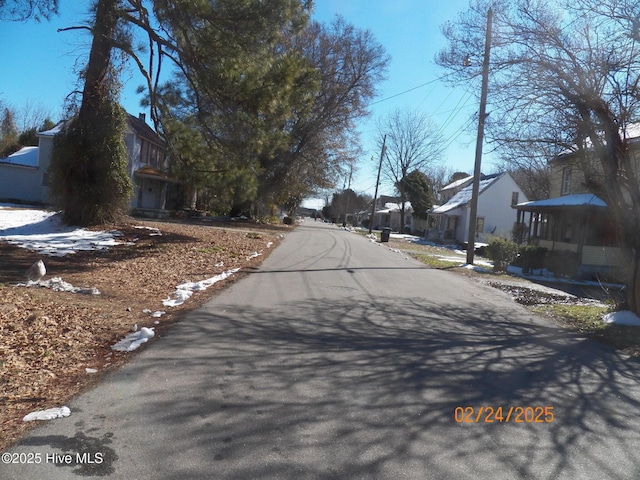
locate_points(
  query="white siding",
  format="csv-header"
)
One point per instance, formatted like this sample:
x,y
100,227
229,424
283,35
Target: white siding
x,y
494,204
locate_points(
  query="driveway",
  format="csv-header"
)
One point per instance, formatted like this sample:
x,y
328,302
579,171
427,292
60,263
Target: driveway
x,y
340,359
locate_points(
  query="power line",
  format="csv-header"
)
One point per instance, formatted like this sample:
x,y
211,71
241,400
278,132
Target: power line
x,y
410,90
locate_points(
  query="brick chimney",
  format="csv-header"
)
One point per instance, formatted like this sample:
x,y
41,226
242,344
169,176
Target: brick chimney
x,y
142,116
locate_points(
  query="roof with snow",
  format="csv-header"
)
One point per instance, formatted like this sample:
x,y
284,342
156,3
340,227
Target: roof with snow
x,y
53,131
463,197
25,157
395,207
567,201
457,183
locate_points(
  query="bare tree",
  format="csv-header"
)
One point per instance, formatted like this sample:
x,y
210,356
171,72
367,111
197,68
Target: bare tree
x,y
413,142
564,73
528,166
32,115
21,10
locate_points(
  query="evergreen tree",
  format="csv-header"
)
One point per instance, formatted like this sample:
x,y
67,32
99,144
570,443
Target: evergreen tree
x,y
419,190
8,134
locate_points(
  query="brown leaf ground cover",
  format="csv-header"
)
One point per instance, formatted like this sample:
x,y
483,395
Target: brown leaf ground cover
x,y
49,339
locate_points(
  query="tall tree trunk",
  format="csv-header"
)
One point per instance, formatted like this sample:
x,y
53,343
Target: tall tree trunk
x,y
89,161
96,86
632,296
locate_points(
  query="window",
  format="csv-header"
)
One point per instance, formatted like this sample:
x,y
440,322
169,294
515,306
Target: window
x,y
514,198
479,225
566,181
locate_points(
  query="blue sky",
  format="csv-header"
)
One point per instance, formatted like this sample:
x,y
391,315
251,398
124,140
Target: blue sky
x,y
37,67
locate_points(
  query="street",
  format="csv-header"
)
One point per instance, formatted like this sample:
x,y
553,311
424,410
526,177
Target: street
x,y
338,358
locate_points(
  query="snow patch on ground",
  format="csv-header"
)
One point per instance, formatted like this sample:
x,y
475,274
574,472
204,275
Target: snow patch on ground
x,y
477,268
184,291
132,341
43,231
49,414
58,285
623,317
154,231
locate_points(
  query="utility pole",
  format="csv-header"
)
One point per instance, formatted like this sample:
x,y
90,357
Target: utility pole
x,y
375,195
346,192
473,213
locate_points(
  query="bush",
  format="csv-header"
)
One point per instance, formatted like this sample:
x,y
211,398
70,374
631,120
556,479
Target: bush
x,y
531,257
502,252
562,262
287,221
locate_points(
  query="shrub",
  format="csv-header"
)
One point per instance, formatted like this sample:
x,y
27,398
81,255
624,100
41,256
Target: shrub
x,y
562,262
502,252
531,257
519,233
287,221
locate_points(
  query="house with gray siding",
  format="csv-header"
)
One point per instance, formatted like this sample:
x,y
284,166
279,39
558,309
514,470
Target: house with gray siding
x,y
24,175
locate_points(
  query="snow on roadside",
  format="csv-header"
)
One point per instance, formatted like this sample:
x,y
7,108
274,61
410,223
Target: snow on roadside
x,y
623,317
132,341
48,414
184,291
44,232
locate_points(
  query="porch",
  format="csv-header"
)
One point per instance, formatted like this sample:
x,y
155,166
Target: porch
x,y
580,224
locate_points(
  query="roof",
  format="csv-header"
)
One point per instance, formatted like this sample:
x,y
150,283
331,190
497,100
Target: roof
x,y
140,127
25,157
457,183
147,171
568,201
53,131
137,125
394,207
463,197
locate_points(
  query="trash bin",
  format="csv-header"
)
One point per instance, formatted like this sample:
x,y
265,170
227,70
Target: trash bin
x,y
384,235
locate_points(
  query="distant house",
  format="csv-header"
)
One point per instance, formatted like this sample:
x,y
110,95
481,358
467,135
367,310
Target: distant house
x,y
24,176
498,194
388,215
574,221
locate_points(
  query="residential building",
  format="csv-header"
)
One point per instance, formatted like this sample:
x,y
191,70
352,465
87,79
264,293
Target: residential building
x,y
497,196
574,221
24,176
389,213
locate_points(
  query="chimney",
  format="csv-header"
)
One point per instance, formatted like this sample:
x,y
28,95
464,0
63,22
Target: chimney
x,y
143,117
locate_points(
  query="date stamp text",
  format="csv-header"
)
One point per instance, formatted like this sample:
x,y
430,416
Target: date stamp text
x,y
517,414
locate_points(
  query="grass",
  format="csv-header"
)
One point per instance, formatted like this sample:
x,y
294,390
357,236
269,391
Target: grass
x,y
587,320
215,248
435,262
584,319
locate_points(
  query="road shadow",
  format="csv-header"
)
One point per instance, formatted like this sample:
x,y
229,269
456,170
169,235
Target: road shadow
x,y
359,389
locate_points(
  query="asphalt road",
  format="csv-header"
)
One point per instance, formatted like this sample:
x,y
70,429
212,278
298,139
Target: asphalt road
x,y
341,359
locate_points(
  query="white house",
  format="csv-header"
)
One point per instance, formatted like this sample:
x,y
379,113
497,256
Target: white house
x,y
389,216
496,215
24,175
